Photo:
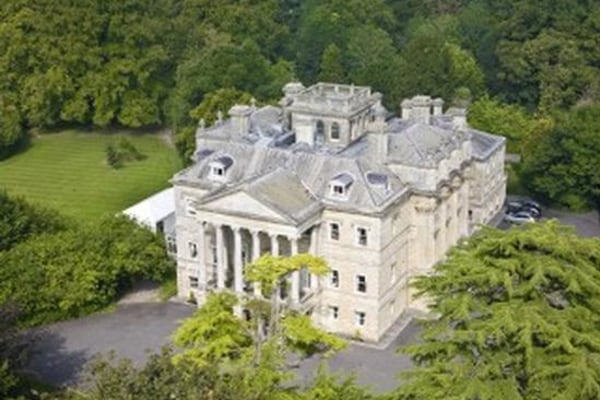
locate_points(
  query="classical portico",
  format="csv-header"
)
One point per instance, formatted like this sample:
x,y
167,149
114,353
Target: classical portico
x,y
231,238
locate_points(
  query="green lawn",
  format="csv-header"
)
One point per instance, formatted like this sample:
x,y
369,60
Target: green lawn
x,y
67,171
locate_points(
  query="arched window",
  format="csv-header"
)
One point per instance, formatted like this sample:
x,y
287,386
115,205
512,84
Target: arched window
x,y
320,128
319,133
335,131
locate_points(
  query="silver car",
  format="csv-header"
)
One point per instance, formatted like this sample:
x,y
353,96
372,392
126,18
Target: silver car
x,y
519,218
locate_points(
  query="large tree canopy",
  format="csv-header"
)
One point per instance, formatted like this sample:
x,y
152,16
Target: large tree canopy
x,y
63,275
563,165
518,317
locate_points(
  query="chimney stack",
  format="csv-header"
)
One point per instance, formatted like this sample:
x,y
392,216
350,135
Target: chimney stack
x,y
417,109
438,106
240,118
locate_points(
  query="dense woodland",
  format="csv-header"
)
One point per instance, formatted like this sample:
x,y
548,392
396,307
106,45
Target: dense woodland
x,y
524,64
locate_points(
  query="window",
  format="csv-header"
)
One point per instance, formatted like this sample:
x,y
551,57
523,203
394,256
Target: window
x,y
334,312
334,231
193,282
361,283
218,171
219,166
393,272
320,128
360,317
335,131
171,245
361,234
334,279
193,247
319,133
340,185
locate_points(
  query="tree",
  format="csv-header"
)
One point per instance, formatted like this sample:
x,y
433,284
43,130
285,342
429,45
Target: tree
x,y
434,61
71,273
14,346
160,378
517,316
255,350
511,121
563,165
20,221
331,68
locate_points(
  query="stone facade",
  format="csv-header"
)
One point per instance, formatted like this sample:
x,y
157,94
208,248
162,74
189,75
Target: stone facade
x,y
332,173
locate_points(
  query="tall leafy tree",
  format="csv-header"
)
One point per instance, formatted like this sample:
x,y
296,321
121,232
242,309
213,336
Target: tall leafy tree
x,y
517,318
255,349
511,121
563,165
332,67
55,276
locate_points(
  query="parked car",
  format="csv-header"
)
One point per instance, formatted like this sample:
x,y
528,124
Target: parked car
x,y
535,212
514,206
532,205
519,218
528,206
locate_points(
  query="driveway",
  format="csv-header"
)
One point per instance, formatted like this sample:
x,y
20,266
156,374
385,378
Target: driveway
x,y
586,224
132,330
64,348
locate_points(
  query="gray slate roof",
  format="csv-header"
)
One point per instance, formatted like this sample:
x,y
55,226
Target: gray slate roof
x,y
295,178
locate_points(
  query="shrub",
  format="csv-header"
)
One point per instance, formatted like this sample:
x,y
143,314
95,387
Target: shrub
x,y
113,157
128,151
78,271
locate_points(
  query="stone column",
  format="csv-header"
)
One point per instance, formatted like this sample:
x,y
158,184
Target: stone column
x,y
313,250
295,274
202,273
274,244
255,256
220,257
238,276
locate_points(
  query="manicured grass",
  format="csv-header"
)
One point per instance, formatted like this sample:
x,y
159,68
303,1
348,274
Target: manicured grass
x,y
68,171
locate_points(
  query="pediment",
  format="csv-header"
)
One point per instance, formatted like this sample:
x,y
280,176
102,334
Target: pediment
x,y
241,203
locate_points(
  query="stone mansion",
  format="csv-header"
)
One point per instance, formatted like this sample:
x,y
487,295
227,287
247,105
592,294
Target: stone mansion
x,y
331,172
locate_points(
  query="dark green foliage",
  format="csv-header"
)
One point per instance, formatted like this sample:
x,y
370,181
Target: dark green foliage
x,y
563,165
129,151
331,68
124,151
518,319
113,158
20,221
71,273
14,346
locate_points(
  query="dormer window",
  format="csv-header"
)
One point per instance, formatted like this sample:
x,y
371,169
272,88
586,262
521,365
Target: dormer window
x,y
218,171
219,167
340,185
378,180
